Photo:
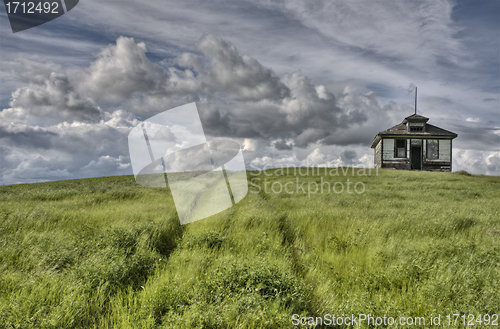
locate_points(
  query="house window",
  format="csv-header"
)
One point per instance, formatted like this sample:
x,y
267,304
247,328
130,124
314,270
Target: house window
x,y
432,149
400,150
416,128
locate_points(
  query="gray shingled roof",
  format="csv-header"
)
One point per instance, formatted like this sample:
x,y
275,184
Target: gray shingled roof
x,y
402,130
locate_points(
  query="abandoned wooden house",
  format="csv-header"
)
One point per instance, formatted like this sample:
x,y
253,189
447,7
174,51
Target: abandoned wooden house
x,y
414,145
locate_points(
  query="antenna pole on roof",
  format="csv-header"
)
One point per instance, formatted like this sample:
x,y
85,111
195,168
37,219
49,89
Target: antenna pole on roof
x,y
415,100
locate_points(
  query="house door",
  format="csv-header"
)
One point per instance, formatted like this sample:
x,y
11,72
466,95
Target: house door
x,y
416,157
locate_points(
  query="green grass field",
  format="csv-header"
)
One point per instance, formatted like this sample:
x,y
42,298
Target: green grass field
x,y
108,253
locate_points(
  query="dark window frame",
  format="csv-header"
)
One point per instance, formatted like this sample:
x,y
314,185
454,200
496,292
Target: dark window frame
x,y
396,153
427,149
416,128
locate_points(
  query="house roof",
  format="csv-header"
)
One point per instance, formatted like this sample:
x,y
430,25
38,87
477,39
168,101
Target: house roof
x,y
401,130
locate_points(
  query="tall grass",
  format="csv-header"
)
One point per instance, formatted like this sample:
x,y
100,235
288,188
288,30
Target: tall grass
x,y
108,253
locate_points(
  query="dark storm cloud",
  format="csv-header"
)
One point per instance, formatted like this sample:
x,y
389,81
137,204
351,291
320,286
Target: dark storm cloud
x,y
50,93
282,145
27,138
349,157
476,136
65,150
121,70
241,76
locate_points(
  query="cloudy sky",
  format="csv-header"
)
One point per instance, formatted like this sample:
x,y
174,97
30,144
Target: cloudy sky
x,y
294,82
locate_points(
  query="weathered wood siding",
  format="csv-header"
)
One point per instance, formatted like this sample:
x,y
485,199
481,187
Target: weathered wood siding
x,y
389,161
444,150
398,164
443,163
388,153
436,166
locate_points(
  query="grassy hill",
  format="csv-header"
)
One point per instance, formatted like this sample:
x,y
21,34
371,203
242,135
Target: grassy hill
x,y
106,252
